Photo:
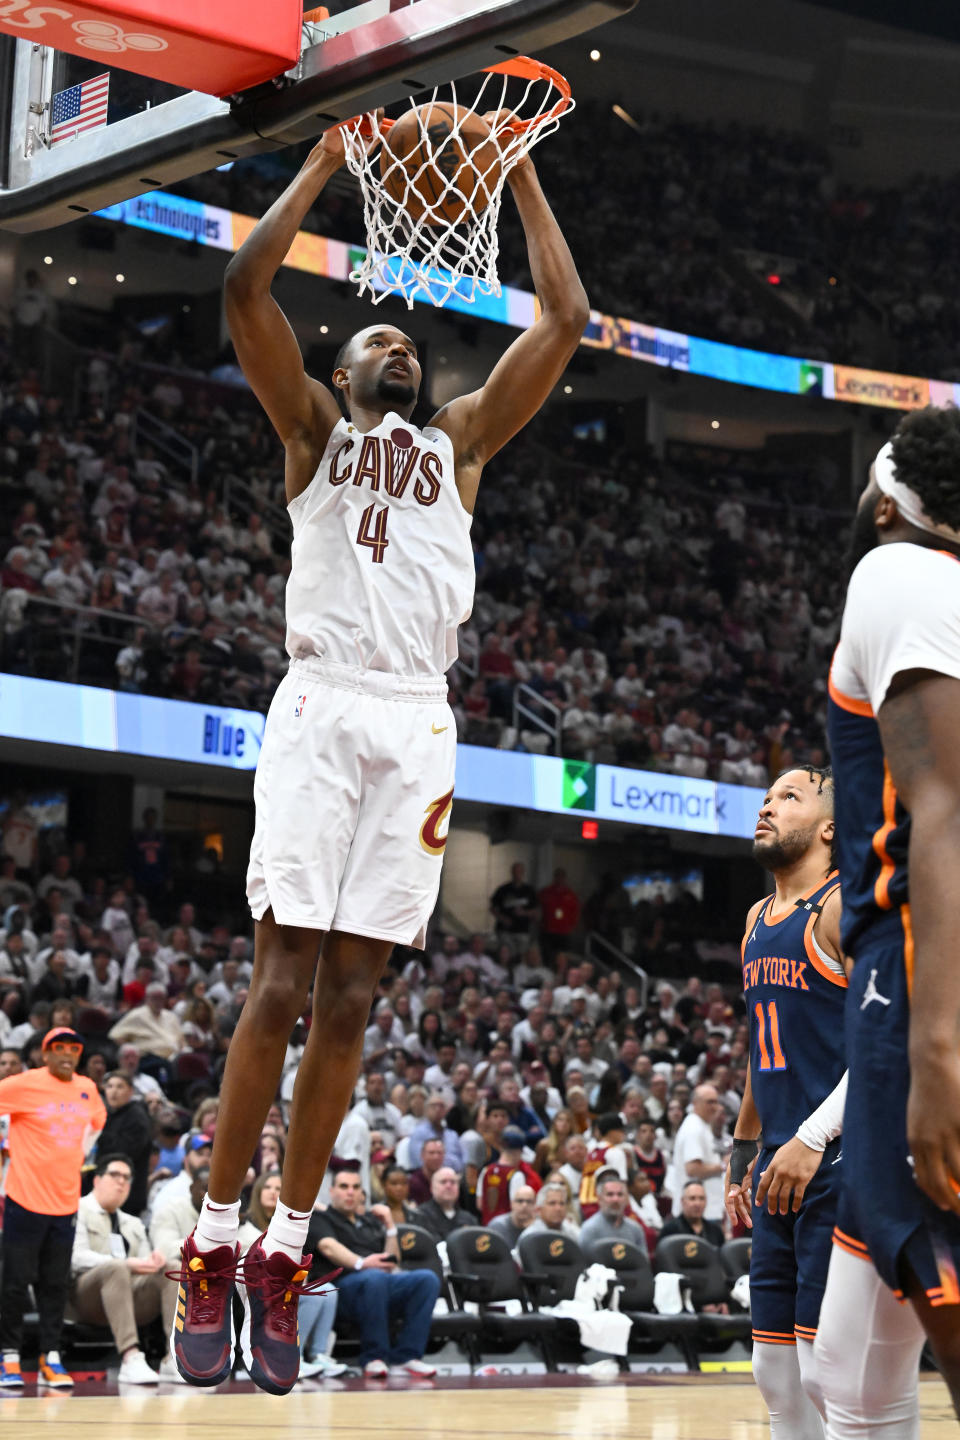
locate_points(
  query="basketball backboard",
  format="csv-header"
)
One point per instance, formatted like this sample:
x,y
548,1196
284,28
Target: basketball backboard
x,y
373,53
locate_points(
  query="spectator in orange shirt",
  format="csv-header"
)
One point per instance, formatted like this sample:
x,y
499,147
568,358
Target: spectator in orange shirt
x,y
54,1114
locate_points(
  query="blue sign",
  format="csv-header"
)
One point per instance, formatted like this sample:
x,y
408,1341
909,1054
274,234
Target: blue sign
x,y
93,719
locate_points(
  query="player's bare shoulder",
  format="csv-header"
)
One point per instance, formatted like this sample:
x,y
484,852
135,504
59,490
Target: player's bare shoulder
x,y
827,928
453,419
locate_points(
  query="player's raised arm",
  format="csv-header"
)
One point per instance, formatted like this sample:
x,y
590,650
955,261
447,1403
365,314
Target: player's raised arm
x,y
301,410
919,722
481,423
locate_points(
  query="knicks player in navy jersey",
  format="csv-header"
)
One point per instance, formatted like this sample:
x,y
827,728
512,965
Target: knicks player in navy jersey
x,y
894,728
795,986
355,779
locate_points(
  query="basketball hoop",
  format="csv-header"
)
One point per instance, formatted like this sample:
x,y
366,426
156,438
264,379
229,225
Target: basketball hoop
x,y
431,214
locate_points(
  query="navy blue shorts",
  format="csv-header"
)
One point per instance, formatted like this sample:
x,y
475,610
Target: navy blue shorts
x,y
791,1254
884,1215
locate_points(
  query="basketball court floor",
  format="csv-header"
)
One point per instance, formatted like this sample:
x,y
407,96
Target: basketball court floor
x,y
726,1407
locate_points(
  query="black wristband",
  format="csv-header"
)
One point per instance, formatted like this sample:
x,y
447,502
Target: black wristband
x,y
743,1152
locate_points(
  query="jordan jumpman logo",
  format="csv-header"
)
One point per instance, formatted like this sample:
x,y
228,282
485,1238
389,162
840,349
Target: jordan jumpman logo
x,y
872,993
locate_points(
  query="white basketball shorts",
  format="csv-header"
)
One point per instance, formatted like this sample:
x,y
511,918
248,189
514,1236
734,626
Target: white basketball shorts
x,y
353,793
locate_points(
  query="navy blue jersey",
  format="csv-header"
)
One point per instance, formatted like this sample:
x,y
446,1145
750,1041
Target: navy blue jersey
x,y
873,834
795,995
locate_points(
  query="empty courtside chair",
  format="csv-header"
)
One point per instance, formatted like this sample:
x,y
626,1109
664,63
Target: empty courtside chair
x,y
735,1257
482,1271
700,1262
636,1299
418,1251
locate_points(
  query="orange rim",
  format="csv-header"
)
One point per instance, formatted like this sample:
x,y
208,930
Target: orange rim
x,y
521,67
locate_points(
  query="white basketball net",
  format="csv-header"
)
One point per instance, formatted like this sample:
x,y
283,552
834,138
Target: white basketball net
x,y
428,256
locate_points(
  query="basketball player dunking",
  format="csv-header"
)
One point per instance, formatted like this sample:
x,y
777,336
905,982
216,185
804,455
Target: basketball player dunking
x,y
894,725
355,779
795,986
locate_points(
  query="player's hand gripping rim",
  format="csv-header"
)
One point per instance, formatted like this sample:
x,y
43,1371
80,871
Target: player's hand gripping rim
x,y
331,145
789,1173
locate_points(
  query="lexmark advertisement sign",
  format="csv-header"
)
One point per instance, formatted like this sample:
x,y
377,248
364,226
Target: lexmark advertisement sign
x,y
643,797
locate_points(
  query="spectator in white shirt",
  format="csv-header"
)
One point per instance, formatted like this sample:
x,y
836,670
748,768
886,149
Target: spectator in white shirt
x,y
153,1028
65,582
380,1115
475,957
254,540
589,1066
100,975
219,529
574,1158
696,1155
381,1038
227,989
527,1032
145,950
157,604
60,939
439,1076
59,878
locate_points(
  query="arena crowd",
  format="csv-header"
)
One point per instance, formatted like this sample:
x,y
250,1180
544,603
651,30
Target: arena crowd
x,y
506,1080
697,645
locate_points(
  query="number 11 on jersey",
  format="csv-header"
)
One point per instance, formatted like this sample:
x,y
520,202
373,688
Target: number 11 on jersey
x,y
373,532
779,1061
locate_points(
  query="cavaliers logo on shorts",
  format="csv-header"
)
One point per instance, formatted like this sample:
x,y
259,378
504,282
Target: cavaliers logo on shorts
x,y
437,812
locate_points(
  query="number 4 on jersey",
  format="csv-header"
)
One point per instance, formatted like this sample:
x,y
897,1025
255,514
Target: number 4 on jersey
x,y
373,532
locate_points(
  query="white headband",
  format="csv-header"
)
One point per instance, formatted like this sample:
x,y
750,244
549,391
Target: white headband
x,y
908,502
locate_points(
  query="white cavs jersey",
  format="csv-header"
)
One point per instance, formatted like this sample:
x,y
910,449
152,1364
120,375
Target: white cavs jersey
x,y
382,569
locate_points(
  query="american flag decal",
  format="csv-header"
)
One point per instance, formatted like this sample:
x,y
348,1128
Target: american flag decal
x,y
82,107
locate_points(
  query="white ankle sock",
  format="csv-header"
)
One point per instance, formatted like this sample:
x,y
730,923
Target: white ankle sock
x,y
218,1225
287,1231
52,1357
9,1355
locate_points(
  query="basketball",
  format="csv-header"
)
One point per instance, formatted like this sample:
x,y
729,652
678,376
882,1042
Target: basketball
x,y
441,158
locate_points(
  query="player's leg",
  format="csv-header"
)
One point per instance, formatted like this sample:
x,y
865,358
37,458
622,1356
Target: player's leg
x,y
776,1370
773,1310
347,977
813,1247
942,1326
285,959
346,981
809,1379
867,1352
